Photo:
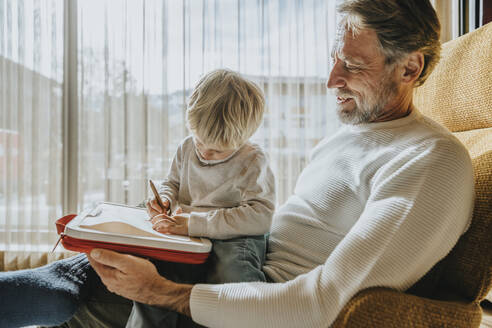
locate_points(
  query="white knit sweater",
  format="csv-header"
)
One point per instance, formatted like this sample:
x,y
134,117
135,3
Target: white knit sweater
x,y
378,205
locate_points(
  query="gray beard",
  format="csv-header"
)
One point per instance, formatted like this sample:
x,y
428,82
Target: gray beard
x,y
368,110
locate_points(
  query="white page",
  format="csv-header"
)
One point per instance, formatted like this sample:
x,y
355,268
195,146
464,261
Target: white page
x,y
126,220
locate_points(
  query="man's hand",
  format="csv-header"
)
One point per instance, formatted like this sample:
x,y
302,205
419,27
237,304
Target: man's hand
x,y
176,224
154,209
137,279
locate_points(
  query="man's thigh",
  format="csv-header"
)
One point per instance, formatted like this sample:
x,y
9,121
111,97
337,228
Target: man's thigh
x,y
102,309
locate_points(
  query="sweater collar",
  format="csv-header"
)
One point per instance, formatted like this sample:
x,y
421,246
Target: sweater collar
x,y
213,161
414,114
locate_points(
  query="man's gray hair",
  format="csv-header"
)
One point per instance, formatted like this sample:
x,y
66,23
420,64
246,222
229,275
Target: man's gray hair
x,y
402,26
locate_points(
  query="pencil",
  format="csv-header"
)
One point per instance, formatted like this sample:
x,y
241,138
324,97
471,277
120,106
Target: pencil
x,y
156,195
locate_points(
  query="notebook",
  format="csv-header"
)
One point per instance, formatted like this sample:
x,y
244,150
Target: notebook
x,y
127,229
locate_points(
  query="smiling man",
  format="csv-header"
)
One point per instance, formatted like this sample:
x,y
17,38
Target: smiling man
x,y
364,83
379,204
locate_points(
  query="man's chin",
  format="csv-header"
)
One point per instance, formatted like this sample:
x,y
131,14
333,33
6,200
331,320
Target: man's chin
x,y
356,115
347,116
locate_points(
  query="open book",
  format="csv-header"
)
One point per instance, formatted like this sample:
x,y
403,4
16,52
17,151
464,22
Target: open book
x,y
128,230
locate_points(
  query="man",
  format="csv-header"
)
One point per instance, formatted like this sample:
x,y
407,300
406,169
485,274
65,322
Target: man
x,y
379,204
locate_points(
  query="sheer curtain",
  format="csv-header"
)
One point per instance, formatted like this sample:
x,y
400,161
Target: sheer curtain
x,y
138,61
448,12
31,78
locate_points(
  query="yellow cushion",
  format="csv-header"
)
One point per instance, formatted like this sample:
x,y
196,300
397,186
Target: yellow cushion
x,y
478,142
458,93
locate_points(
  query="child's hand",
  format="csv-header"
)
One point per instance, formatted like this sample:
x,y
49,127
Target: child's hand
x,y
176,224
154,209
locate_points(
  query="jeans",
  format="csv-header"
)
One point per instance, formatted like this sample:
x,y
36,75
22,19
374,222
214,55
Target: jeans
x,y
102,309
232,260
48,295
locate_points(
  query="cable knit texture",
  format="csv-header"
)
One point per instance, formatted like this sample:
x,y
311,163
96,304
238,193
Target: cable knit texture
x,y
378,205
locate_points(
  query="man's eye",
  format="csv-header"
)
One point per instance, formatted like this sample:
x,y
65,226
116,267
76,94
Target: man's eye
x,y
352,68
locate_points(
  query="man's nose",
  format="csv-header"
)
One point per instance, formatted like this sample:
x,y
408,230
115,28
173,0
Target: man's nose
x,y
336,78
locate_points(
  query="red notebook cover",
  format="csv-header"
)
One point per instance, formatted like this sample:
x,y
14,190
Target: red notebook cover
x,y
126,229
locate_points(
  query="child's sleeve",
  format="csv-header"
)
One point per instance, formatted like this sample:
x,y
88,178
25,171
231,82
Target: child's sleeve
x,y
254,214
169,188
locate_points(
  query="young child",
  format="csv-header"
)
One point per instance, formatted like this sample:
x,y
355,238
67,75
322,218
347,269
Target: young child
x,y
219,186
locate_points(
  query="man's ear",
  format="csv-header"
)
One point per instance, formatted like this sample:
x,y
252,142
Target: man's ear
x,y
413,66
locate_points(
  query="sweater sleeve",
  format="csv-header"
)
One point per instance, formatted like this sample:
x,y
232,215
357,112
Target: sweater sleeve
x,y
419,205
254,214
169,188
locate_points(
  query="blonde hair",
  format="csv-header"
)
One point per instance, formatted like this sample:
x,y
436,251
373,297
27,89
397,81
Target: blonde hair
x,y
225,109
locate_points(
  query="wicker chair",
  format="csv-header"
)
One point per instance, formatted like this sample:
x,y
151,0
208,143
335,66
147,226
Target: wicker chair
x,y
458,94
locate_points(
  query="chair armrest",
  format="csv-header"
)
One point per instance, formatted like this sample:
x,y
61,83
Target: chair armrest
x,y
383,307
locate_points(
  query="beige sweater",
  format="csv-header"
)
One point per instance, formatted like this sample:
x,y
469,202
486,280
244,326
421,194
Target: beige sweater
x,y
378,205
233,198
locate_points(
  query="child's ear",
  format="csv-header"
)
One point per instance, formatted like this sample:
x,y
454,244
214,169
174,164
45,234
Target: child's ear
x,y
412,67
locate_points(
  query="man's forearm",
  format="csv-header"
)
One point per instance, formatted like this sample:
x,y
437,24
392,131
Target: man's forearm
x,y
171,295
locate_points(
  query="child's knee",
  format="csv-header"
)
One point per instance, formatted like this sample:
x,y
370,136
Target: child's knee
x,y
239,271
236,260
